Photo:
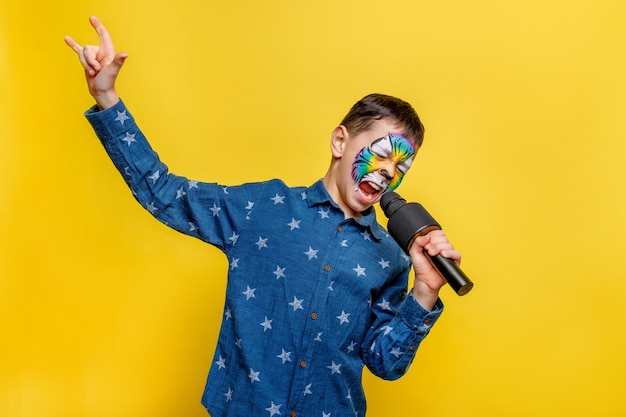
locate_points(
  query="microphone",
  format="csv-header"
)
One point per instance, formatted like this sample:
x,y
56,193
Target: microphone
x,y
410,220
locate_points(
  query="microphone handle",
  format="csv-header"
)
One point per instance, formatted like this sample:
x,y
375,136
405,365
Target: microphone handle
x,y
457,279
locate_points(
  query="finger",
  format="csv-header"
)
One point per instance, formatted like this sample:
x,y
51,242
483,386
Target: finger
x,y
73,44
438,243
440,247
90,53
117,63
80,52
106,44
452,254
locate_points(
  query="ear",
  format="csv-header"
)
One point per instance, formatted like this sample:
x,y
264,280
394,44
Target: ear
x,y
338,141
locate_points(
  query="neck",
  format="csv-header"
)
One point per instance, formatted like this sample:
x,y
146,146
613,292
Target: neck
x,y
335,194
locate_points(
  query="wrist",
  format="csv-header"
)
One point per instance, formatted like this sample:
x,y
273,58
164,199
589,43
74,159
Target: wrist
x,y
106,99
425,296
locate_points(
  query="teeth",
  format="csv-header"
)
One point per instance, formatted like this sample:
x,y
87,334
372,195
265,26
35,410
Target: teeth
x,y
374,186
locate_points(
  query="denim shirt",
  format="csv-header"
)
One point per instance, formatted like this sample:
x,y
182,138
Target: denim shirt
x,y
311,296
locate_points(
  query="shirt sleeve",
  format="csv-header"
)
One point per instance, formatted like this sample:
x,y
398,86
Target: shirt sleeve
x,y
399,326
190,207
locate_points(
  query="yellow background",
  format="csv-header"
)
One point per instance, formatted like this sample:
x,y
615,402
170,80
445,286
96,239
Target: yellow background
x,y
106,312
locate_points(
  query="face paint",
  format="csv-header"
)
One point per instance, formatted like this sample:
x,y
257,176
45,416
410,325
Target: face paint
x,y
367,168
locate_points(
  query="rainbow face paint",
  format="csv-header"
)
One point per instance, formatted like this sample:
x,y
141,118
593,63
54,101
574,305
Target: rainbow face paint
x,y
369,167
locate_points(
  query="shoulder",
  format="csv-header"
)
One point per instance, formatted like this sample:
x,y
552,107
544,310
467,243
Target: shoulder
x,y
268,187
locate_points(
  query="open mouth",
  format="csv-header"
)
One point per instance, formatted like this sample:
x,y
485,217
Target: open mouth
x,y
369,191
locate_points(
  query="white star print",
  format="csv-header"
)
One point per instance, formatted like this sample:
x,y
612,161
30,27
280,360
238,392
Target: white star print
x,y
323,213
334,368
215,210
267,324
238,343
359,271
343,317
249,293
278,199
127,171
234,238
303,195
250,205
225,189
384,304
121,117
296,304
295,224
274,409
221,363
311,253
396,352
366,235
387,329
261,243
192,184
280,272
325,415
383,264
154,177
227,314
180,193
344,243
130,138
423,328
151,208
285,356
318,338
330,286
351,346
229,395
254,376
192,227
234,263
307,390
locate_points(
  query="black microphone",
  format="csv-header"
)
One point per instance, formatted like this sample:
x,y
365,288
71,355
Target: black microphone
x,y
410,220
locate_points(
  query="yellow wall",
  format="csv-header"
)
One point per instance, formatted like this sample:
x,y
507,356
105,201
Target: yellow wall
x,y
106,312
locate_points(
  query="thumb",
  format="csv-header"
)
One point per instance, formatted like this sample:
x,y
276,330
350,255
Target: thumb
x,y
118,61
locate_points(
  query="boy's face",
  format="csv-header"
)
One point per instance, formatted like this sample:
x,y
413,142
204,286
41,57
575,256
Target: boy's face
x,y
380,167
372,163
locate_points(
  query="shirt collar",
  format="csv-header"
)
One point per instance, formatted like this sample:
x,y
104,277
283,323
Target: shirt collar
x,y
317,194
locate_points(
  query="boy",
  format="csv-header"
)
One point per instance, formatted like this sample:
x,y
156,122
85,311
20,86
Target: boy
x,y
316,288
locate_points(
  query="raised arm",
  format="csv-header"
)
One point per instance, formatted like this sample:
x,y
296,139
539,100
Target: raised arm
x,y
101,64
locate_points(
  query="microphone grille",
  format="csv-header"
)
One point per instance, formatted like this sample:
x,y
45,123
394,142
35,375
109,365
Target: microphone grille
x,y
390,202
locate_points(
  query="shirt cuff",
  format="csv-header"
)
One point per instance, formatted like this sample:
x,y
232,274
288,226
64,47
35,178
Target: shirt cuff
x,y
416,316
113,121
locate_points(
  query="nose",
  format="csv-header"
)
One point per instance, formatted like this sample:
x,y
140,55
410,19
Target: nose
x,y
386,174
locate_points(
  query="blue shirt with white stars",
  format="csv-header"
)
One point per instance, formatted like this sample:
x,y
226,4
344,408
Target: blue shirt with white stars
x,y
311,296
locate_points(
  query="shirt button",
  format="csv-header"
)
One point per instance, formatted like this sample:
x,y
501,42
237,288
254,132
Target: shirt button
x,y
293,414
314,316
326,268
426,321
303,364
411,348
339,228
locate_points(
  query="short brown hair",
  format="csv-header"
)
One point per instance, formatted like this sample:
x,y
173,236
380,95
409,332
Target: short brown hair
x,y
378,106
